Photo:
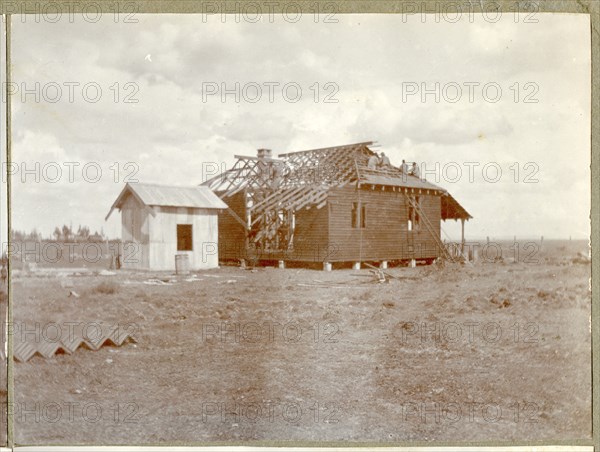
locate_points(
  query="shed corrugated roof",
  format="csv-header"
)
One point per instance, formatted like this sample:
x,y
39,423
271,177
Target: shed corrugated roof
x,y
173,196
198,197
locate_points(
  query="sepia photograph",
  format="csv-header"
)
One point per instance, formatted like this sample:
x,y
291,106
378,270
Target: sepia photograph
x,y
296,226
4,321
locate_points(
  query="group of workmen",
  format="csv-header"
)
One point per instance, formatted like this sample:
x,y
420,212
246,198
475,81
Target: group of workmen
x,y
381,161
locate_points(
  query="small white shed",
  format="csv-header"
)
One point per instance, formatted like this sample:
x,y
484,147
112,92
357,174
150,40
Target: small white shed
x,y
161,222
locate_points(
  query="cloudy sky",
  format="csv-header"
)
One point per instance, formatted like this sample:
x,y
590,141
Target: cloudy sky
x,y
377,68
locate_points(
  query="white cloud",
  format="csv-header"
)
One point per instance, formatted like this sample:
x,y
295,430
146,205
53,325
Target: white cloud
x,y
171,130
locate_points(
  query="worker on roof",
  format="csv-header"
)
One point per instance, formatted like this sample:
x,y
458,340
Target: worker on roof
x,y
415,170
384,161
277,175
373,162
404,167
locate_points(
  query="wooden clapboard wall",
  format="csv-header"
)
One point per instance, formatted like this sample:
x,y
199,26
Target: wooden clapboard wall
x,y
385,235
327,235
232,235
311,235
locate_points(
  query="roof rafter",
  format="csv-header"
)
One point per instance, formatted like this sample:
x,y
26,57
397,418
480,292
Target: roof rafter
x,y
301,180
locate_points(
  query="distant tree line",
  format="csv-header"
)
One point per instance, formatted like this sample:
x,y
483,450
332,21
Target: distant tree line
x,y
65,233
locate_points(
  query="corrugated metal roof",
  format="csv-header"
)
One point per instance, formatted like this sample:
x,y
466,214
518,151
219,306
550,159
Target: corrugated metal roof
x,y
407,180
452,210
198,197
172,196
23,351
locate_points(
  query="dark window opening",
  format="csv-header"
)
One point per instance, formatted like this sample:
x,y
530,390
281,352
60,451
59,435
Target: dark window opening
x,y
417,222
414,218
363,216
359,215
184,237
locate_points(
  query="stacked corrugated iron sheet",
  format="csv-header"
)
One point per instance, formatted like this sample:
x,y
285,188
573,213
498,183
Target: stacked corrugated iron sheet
x,y
115,336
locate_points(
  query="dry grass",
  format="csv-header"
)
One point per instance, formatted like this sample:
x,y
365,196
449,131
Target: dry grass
x,y
368,360
106,288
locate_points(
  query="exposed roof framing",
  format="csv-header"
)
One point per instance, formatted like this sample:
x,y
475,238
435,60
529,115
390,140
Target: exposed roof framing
x,y
301,179
324,167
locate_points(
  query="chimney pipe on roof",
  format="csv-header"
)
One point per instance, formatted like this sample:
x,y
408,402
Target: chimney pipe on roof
x,y
264,153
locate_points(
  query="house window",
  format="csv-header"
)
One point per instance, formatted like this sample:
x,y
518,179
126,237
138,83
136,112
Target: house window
x,y
359,215
414,218
184,237
363,216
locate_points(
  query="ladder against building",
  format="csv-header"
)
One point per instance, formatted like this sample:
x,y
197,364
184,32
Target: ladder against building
x,y
445,253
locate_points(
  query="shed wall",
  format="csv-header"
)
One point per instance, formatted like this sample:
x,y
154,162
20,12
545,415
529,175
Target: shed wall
x,y
163,237
134,234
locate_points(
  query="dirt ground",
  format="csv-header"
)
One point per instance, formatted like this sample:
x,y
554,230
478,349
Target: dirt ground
x,y
495,351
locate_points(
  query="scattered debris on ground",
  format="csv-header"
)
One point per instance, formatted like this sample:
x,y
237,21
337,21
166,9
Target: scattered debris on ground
x,y
25,350
159,282
107,273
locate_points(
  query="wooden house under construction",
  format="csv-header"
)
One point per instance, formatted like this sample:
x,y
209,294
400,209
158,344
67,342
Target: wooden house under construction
x,y
329,205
